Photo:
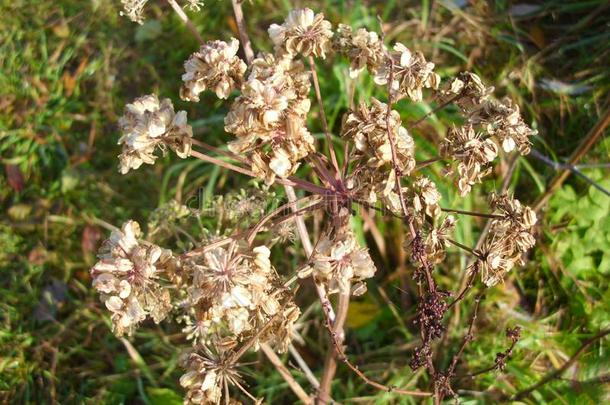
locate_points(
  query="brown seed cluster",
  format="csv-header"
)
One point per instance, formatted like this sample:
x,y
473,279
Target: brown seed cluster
x,y
303,32
268,118
508,239
215,66
127,276
149,124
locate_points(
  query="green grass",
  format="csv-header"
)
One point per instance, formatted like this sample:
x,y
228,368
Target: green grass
x,y
68,67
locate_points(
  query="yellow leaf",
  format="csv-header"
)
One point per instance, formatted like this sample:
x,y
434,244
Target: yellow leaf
x,y
361,313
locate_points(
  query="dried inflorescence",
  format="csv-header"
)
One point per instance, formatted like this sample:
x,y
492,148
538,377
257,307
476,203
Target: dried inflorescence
x,y
303,32
235,292
407,73
226,292
149,124
363,48
507,240
339,263
268,118
215,66
127,276
208,376
473,154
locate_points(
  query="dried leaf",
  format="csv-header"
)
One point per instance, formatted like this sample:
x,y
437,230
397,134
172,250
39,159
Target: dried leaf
x,y
15,177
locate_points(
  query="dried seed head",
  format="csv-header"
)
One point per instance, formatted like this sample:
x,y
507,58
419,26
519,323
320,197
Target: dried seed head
x,y
147,124
340,262
126,276
269,117
234,293
410,73
215,66
303,32
134,10
364,49
472,154
436,240
208,375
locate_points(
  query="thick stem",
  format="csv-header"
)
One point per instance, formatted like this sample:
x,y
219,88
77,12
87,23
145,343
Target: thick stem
x,y
189,24
243,32
285,373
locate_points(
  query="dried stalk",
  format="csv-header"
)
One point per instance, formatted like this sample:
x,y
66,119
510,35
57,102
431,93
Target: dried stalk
x,y
588,142
189,24
285,373
316,85
243,31
343,358
330,363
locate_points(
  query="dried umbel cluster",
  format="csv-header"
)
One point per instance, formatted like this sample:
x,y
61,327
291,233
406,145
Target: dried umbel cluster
x,y
225,291
149,124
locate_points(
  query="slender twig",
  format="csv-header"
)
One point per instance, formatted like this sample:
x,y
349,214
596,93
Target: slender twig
x,y
304,367
462,294
343,358
435,110
469,337
474,214
285,373
330,363
558,372
189,24
243,32
279,210
428,162
588,142
572,168
305,185
219,151
329,140
464,247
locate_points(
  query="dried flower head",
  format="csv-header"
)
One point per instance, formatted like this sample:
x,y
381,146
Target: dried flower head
x,y
473,154
303,32
436,241
363,48
209,376
268,118
503,121
134,10
508,238
339,262
149,124
234,291
410,73
127,278
215,66
367,127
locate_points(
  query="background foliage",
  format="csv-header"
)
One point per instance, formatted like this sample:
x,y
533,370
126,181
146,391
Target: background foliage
x,y
68,67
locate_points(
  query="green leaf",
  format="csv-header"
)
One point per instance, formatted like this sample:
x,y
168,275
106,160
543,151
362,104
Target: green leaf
x,y
163,396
